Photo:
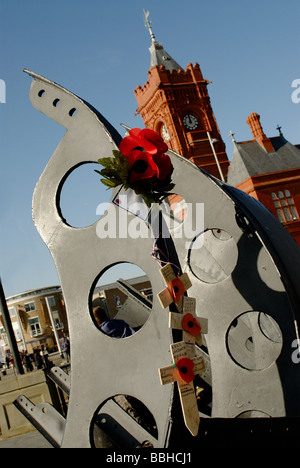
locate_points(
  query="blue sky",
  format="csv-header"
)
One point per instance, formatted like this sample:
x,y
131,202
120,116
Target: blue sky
x,y
99,51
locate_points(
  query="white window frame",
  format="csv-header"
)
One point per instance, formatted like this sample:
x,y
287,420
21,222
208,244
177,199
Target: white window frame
x,y
285,206
56,319
37,330
29,304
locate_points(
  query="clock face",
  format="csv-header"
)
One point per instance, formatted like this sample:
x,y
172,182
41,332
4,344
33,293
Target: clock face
x,y
165,133
190,122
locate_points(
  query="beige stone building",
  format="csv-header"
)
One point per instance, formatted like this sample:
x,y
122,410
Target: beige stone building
x,y
112,297
38,318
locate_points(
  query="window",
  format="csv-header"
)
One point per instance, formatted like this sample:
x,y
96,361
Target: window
x,y
148,293
29,306
12,312
51,301
285,206
56,319
35,327
17,331
3,334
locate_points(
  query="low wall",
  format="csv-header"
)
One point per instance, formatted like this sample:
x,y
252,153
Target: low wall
x,y
35,387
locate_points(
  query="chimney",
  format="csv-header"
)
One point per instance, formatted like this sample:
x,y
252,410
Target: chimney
x,y
253,121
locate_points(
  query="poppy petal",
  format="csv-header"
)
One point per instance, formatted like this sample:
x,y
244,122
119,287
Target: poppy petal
x,y
153,142
164,165
191,325
185,367
177,289
142,166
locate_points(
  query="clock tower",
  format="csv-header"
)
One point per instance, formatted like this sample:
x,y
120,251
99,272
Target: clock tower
x,y
175,103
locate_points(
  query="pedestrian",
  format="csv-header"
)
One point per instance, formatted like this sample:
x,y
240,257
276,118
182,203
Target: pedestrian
x,y
38,359
115,328
28,363
7,361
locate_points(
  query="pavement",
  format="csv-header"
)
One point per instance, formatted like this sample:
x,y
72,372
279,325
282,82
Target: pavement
x,y
32,439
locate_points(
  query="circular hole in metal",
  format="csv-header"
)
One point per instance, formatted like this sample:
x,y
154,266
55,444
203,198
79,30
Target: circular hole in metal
x,y
41,93
254,340
213,255
72,112
121,300
56,102
111,426
252,414
81,198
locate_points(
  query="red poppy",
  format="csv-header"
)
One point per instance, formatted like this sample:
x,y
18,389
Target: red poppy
x,y
185,367
177,289
147,146
146,138
164,165
191,325
142,166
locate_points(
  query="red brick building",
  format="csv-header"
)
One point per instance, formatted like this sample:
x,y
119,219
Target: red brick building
x,y
268,169
175,103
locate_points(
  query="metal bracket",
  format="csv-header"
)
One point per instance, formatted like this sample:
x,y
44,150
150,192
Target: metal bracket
x,y
44,418
60,378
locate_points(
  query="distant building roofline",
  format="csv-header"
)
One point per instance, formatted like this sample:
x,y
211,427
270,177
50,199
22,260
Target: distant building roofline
x,y
33,292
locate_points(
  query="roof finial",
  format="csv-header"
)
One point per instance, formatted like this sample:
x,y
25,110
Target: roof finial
x,y
232,136
279,130
148,24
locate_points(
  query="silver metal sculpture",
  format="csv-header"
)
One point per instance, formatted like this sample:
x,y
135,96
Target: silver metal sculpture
x,y
245,275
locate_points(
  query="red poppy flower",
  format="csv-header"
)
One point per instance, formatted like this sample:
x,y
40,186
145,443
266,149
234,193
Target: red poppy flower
x,y
146,138
164,165
185,367
191,325
177,289
142,166
151,148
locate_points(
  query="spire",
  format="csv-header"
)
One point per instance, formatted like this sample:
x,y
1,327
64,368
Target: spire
x,y
148,24
158,55
232,136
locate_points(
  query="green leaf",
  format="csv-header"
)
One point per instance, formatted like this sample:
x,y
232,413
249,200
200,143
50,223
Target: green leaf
x,y
110,183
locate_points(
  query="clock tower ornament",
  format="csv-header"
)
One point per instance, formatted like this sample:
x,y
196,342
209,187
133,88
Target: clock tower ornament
x,y
175,103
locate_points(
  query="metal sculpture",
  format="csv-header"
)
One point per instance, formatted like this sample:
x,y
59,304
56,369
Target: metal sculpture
x,y
245,277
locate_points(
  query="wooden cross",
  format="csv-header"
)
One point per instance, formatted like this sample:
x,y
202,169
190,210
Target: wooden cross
x,y
176,287
192,326
183,371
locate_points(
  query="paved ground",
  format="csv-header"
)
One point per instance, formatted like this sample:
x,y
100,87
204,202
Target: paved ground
x,y
30,440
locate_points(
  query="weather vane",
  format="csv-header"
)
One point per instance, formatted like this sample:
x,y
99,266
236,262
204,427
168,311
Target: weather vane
x,y
148,24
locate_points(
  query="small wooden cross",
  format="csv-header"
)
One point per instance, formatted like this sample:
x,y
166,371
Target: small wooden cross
x,y
176,287
192,326
183,371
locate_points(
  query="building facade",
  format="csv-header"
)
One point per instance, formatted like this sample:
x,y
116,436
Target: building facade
x,y
38,318
175,103
268,169
113,296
